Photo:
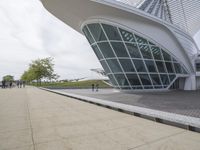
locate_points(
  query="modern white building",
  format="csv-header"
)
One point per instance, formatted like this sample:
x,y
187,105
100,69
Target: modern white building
x,y
141,44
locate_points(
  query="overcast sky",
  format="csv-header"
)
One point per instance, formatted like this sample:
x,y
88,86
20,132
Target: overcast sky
x,y
28,32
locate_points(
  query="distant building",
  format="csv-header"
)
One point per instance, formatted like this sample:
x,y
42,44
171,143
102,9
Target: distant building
x,y
142,44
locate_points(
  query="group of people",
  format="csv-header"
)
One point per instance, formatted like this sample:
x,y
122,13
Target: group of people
x,y
9,84
95,86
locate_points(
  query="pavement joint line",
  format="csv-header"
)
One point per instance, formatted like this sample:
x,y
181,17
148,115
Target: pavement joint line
x,y
186,122
157,140
29,117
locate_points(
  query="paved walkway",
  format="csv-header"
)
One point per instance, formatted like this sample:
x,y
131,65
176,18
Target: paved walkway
x,y
33,119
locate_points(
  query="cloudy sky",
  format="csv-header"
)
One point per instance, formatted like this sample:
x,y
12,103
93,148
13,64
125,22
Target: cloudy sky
x,y
28,32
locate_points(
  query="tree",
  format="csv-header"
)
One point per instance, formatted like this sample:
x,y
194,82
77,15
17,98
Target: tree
x,y
40,69
8,78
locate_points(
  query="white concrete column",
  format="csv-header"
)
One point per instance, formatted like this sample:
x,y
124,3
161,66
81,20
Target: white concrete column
x,y
190,82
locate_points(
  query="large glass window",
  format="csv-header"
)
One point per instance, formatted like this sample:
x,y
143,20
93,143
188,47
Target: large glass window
x,y
114,65
127,36
198,67
139,65
115,42
169,67
97,52
172,77
150,65
127,65
166,56
145,50
106,49
164,79
119,49
97,32
145,79
160,67
112,79
141,40
133,79
177,68
111,32
105,66
122,81
156,52
88,35
133,50
155,79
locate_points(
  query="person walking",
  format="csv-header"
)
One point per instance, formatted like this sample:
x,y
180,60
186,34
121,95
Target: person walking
x,y
10,84
3,84
92,87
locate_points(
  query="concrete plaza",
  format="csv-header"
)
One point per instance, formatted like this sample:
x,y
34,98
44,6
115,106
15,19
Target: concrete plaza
x,y
178,102
33,119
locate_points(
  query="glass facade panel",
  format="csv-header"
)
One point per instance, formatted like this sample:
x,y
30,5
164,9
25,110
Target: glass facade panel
x,y
97,32
164,79
141,40
112,32
133,50
160,67
114,65
139,65
156,52
127,65
155,79
97,52
145,79
172,77
105,66
166,56
121,80
127,36
150,65
111,77
177,68
145,50
106,49
133,79
119,49
169,67
88,35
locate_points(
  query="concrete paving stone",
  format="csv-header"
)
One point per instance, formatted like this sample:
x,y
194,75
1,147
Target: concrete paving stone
x,y
30,147
177,142
14,123
53,145
94,142
15,139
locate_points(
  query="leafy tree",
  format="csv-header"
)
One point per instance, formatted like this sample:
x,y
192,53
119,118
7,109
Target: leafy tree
x,y
40,69
8,78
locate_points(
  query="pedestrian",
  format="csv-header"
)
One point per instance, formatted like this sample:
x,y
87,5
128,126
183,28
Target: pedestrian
x,y
10,84
3,84
92,87
97,87
18,83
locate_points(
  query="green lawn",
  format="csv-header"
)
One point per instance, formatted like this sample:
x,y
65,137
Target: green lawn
x,y
79,84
